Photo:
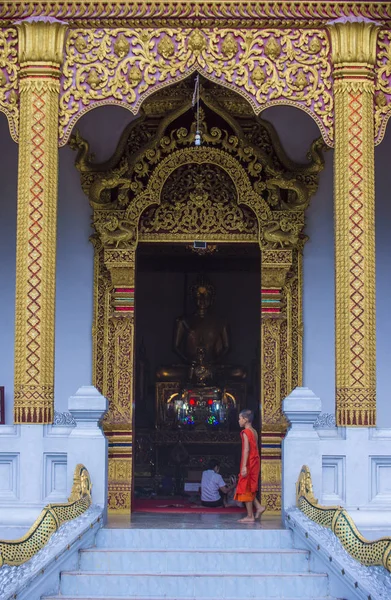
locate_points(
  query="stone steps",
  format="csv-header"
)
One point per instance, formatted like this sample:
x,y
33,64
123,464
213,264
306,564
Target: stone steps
x,y
193,564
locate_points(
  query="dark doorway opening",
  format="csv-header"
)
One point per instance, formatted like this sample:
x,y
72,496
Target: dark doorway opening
x,y
172,450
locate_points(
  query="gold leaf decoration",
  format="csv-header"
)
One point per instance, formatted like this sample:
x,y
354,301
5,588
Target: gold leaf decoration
x,y
229,46
166,47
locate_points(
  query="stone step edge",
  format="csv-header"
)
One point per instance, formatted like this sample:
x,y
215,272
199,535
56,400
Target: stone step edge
x,y
188,575
203,550
218,532
161,598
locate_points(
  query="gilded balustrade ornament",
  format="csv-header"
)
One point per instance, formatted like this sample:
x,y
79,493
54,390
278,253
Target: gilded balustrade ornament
x,y
158,187
336,518
124,66
17,552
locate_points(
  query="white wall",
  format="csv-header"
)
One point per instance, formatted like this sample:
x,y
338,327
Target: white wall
x,y
8,179
383,278
297,131
102,127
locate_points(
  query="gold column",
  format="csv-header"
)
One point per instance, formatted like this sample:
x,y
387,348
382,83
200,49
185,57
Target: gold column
x,y
40,56
119,380
275,377
353,56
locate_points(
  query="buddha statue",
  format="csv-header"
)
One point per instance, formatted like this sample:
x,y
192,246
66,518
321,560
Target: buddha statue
x,y
201,340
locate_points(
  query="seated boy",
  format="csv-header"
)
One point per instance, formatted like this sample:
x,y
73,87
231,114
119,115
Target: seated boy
x,y
213,486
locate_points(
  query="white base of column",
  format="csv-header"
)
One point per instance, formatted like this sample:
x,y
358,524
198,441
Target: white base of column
x,y
37,462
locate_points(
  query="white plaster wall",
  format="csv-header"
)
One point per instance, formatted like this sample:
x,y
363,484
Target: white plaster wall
x,y
297,131
8,186
102,127
383,278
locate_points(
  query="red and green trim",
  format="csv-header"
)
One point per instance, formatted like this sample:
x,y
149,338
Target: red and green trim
x,y
271,301
123,300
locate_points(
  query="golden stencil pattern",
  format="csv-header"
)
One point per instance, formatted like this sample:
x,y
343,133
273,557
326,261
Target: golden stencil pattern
x,y
9,72
17,552
355,295
382,84
123,66
370,553
36,251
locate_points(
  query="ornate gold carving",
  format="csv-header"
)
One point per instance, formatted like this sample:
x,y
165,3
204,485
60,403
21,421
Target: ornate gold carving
x,y
266,66
336,518
275,267
225,13
231,188
353,43
354,200
116,232
283,233
17,552
9,72
37,220
199,199
41,41
382,84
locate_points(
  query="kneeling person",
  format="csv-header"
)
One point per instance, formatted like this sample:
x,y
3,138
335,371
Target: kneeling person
x,y
213,487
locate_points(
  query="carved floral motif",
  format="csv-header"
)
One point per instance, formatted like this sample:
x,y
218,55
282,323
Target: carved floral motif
x,y
9,71
267,66
382,84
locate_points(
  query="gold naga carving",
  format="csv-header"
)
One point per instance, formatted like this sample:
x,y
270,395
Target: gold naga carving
x,y
17,552
337,519
266,66
239,185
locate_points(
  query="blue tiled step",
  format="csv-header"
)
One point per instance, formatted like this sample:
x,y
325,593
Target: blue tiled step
x,y
227,562
195,586
195,539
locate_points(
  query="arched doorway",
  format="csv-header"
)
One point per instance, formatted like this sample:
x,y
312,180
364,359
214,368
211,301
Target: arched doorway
x,y
155,190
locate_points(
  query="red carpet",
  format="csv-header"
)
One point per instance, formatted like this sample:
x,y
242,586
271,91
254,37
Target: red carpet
x,y
179,505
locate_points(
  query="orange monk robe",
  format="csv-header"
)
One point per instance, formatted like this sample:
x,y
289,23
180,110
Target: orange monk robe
x,y
248,486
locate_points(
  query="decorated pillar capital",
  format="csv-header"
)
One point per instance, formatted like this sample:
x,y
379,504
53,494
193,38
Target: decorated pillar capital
x,y
353,48
41,41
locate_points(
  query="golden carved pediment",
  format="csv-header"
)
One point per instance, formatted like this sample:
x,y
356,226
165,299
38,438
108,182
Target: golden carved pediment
x,y
200,200
155,186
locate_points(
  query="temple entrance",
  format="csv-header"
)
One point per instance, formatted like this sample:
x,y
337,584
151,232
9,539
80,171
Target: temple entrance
x,y
222,177
197,362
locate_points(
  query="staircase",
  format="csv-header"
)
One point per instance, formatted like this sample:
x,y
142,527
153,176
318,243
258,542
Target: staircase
x,y
200,564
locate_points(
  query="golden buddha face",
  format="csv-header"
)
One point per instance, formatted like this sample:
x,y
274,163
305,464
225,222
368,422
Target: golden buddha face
x,y
203,297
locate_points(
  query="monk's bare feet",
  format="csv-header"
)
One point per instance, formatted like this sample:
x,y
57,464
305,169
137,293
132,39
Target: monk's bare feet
x,y
247,520
259,512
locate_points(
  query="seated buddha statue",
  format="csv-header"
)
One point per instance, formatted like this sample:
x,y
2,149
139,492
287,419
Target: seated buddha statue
x,y
201,338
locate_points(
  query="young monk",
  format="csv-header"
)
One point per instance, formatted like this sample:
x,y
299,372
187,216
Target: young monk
x,y
247,487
